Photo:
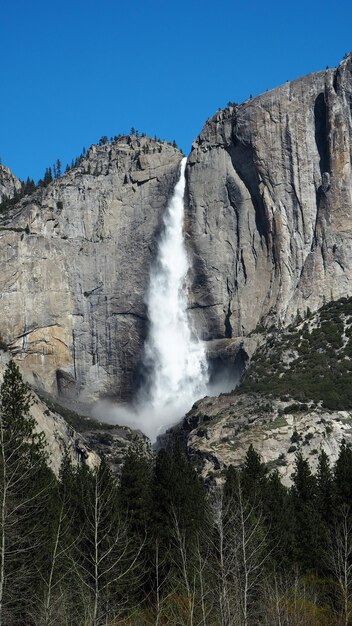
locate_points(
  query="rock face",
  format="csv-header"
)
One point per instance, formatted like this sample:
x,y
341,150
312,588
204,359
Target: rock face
x,y
270,205
85,440
268,219
219,431
9,184
74,268
295,395
60,437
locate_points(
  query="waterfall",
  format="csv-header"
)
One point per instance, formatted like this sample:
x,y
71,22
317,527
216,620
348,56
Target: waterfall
x,y
174,357
174,363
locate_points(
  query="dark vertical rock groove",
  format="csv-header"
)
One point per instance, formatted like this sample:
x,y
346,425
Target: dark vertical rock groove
x,y
320,120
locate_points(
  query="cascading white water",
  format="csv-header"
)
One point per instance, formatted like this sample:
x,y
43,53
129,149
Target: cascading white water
x,y
174,356
175,365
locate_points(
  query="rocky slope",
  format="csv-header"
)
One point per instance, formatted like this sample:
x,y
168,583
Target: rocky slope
x,y
219,431
74,267
296,393
60,437
85,440
270,204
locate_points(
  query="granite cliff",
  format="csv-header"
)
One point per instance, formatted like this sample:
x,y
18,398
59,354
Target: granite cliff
x,y
268,223
270,204
74,266
9,184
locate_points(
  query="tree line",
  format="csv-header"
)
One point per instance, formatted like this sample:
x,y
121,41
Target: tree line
x,y
55,171
157,547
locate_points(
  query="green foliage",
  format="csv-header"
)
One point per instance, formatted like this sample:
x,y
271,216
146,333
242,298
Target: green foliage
x,y
81,423
307,364
309,528
48,177
17,423
135,491
25,485
325,490
176,490
85,549
253,475
343,475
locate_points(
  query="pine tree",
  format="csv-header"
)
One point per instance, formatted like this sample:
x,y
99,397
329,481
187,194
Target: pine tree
x,y
343,475
24,486
188,494
326,496
278,514
241,551
134,491
307,518
161,510
58,168
253,476
29,186
177,519
48,177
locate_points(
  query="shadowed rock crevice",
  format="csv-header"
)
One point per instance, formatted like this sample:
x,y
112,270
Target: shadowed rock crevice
x,y
244,163
228,327
320,120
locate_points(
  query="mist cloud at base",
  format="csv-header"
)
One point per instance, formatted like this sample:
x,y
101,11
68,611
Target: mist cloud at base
x,y
174,363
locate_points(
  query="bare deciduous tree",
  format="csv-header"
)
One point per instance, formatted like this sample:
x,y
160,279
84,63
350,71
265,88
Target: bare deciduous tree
x,y
241,549
107,556
339,560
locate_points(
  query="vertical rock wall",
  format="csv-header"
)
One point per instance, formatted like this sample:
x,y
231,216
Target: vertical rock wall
x,y
270,205
74,268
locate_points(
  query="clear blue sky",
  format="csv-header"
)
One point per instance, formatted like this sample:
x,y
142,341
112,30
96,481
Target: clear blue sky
x,y
74,70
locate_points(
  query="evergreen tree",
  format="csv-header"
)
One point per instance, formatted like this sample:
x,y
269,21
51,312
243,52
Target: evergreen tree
x,y
241,540
188,494
307,519
326,497
58,168
106,559
134,491
231,483
25,481
278,514
29,186
178,514
48,177
162,502
253,476
343,475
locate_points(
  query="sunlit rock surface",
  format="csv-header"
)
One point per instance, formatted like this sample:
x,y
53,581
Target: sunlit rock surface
x,y
74,268
9,184
218,432
268,222
270,205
